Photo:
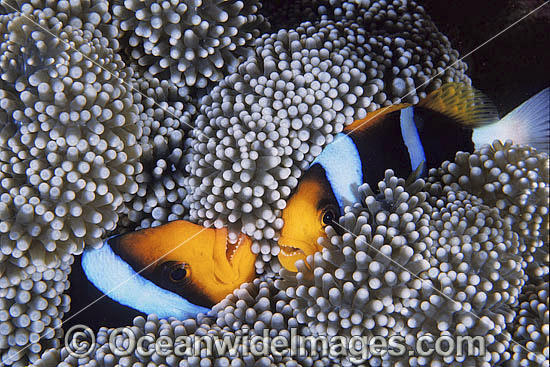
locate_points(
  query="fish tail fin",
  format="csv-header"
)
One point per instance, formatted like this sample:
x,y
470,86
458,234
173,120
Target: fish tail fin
x,y
463,103
529,123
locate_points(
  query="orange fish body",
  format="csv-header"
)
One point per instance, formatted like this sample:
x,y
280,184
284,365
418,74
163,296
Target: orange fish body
x,y
178,269
399,137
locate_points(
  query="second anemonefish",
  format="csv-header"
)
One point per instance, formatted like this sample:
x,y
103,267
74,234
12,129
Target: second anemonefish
x,y
178,269
405,138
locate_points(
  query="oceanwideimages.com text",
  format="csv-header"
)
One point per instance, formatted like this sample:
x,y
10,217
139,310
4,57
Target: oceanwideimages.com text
x,y
124,342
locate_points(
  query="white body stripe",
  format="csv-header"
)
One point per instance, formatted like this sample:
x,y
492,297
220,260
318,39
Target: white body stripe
x,y
342,164
117,280
411,138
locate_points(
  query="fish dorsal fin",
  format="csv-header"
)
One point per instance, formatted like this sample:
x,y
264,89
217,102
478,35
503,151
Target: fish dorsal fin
x,y
463,103
373,117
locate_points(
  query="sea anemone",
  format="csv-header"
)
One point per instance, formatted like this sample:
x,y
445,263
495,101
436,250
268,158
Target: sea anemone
x,y
31,311
165,115
262,125
89,145
514,179
531,328
69,138
192,43
69,148
410,261
92,16
250,311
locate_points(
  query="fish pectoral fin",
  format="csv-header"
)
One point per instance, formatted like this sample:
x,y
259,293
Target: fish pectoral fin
x,y
463,103
419,172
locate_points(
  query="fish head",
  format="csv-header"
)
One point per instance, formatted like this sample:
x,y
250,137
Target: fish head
x,y
310,209
200,264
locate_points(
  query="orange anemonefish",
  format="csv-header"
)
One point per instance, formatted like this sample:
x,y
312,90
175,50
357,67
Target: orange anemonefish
x,y
178,269
405,138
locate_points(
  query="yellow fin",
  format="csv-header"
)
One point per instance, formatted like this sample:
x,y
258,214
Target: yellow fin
x,y
467,105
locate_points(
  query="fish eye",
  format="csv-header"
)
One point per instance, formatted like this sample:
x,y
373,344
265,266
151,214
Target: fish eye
x,y
178,273
328,217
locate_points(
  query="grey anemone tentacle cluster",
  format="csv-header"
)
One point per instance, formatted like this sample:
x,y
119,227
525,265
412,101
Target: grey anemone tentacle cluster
x,y
31,312
69,155
69,139
262,125
89,145
250,310
192,43
531,329
92,16
514,179
166,114
410,261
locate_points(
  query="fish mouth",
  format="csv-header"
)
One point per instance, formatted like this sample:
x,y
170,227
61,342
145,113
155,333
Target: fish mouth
x,y
233,262
231,254
292,250
232,246
218,262
292,246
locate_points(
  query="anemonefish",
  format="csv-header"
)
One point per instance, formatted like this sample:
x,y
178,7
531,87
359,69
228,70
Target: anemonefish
x,y
178,269
408,139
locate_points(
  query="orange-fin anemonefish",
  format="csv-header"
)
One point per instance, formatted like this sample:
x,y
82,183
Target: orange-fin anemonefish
x,y
178,269
405,138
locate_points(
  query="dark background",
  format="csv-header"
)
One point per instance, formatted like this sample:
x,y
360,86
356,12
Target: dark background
x,y
512,67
